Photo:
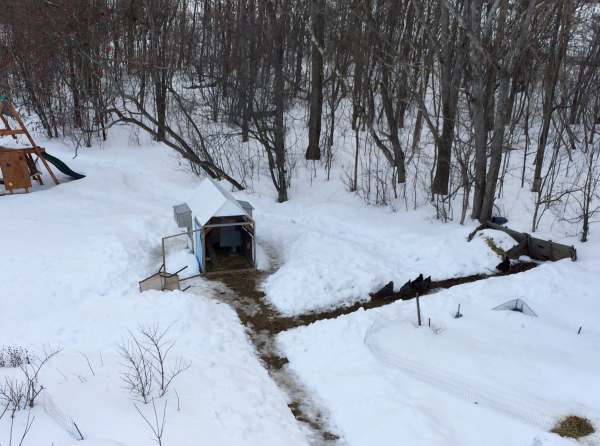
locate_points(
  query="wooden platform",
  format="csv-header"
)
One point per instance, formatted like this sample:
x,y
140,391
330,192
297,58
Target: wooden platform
x,y
24,150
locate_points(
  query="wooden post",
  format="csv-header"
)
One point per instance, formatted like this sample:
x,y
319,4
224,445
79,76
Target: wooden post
x,y
418,311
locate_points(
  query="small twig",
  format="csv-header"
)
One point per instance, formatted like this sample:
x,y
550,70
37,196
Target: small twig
x,y
80,376
62,374
12,422
160,427
101,360
219,418
27,427
437,329
88,361
5,409
178,409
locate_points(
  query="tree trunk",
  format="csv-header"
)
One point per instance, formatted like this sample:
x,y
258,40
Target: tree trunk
x,y
313,152
279,122
392,125
555,62
161,110
478,105
452,70
487,206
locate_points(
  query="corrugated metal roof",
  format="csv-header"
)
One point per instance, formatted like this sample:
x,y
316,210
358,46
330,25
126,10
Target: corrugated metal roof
x,y
210,199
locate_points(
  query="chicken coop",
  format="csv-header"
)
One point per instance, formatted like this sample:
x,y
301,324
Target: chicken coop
x,y
220,229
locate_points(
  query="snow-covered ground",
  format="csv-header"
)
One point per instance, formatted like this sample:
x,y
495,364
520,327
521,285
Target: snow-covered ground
x,y
73,256
541,359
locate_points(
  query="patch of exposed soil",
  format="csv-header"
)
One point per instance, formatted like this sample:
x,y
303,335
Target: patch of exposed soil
x,y
263,323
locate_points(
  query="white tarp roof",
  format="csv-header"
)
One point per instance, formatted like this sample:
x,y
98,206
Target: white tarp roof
x,y
210,199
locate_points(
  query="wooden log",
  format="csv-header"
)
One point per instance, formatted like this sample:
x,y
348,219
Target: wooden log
x,y
478,228
518,236
521,249
535,248
548,250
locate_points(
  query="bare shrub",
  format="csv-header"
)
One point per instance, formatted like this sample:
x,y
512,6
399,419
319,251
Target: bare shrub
x,y
145,360
18,394
14,356
138,376
13,394
32,372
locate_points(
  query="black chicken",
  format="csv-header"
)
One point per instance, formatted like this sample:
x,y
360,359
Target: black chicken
x,y
416,281
424,285
406,289
503,266
387,290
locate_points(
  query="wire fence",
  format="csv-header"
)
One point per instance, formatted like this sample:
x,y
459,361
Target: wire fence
x,y
466,389
65,421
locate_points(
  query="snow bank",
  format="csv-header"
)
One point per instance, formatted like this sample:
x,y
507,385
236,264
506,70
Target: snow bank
x,y
338,250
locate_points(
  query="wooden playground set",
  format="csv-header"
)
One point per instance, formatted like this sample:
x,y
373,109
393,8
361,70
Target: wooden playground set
x,y
17,164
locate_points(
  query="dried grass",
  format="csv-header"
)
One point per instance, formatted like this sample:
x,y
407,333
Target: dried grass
x,y
574,427
493,247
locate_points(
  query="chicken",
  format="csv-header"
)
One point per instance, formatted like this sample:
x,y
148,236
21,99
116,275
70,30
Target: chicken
x,y
406,289
424,285
503,266
416,281
387,290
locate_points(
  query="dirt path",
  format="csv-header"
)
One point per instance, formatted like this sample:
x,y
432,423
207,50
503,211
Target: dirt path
x,y
263,323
